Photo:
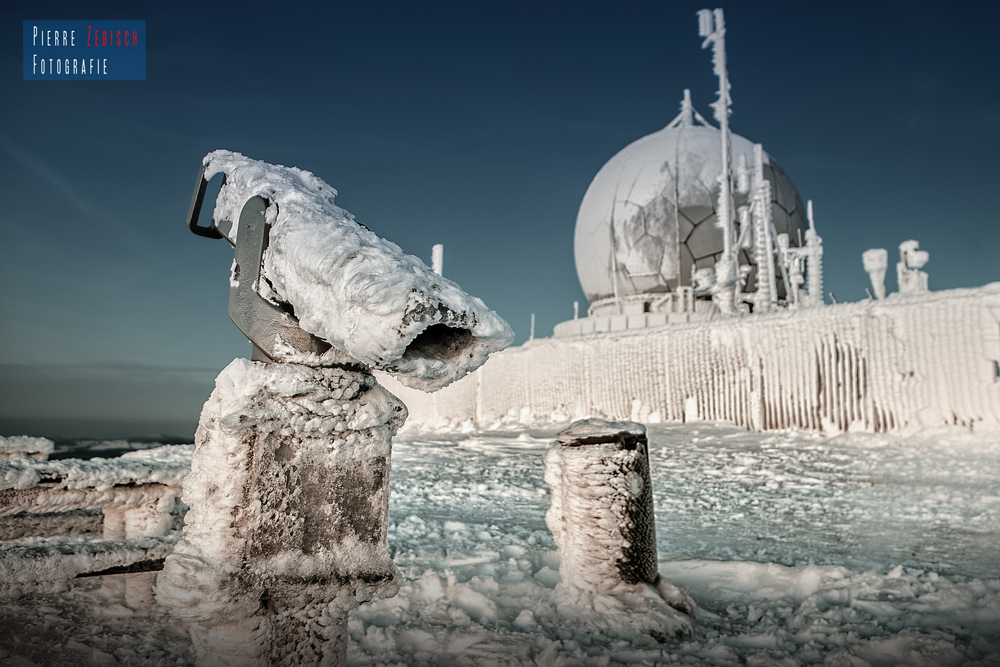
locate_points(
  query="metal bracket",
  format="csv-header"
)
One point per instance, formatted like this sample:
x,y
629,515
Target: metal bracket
x,y
194,210
260,320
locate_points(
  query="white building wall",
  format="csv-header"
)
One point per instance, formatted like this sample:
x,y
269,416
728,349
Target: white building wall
x,y
909,360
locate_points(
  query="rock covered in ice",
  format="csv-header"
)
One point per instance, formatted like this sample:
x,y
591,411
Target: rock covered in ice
x,y
601,518
288,496
17,447
161,465
355,290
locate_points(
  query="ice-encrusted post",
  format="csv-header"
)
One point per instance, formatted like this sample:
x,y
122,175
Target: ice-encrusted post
x,y
437,258
602,520
766,297
289,482
876,262
289,496
909,277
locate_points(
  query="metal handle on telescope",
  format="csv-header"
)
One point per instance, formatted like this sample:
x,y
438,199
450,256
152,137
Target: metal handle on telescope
x,y
194,211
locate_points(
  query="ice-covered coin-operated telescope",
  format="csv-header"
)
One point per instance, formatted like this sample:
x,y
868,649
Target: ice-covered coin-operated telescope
x,y
312,285
289,483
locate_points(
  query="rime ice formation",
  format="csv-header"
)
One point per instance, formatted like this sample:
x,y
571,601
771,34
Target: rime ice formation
x,y
136,494
74,523
907,361
289,505
357,291
45,564
876,262
136,491
909,277
601,518
161,465
24,447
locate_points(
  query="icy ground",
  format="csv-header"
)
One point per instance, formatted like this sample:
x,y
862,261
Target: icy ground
x,y
852,550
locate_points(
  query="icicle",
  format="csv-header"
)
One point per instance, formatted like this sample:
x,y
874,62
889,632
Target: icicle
x,y
814,266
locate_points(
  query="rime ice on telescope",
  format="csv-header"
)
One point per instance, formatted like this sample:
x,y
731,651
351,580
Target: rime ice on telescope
x,y
351,288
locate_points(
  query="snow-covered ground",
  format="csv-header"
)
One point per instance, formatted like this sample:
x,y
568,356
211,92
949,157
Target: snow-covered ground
x,y
852,550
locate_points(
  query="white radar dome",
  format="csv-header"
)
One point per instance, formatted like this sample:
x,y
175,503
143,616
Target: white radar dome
x,y
649,215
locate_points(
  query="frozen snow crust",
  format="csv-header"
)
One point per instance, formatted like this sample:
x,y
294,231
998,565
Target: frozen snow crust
x,y
800,550
355,290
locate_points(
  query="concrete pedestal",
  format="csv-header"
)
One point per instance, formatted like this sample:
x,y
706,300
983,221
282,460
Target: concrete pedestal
x,y
289,494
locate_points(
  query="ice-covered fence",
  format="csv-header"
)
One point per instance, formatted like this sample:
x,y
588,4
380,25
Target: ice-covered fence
x,y
601,518
136,493
908,360
18,447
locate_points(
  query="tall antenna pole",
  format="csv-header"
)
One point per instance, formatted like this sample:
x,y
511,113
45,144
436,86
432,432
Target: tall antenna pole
x,y
712,26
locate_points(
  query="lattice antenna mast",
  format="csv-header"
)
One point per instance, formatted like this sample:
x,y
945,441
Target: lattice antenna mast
x,y
712,26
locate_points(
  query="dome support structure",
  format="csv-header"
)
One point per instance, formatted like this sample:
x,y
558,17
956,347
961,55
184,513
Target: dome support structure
x,y
688,115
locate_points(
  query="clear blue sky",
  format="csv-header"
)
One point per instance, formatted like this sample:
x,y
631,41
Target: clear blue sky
x,y
476,125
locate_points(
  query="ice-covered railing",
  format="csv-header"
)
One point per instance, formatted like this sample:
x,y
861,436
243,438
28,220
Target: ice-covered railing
x,y
19,447
136,493
347,286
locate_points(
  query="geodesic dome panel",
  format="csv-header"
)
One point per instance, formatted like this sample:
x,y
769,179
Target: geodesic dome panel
x,y
648,216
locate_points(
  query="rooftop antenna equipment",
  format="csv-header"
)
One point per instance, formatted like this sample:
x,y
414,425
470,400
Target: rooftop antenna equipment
x,y
712,26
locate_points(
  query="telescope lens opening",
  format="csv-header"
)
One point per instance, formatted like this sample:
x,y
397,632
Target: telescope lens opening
x,y
439,342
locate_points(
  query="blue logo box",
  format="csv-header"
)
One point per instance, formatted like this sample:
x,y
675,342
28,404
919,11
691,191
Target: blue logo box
x,y
84,50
